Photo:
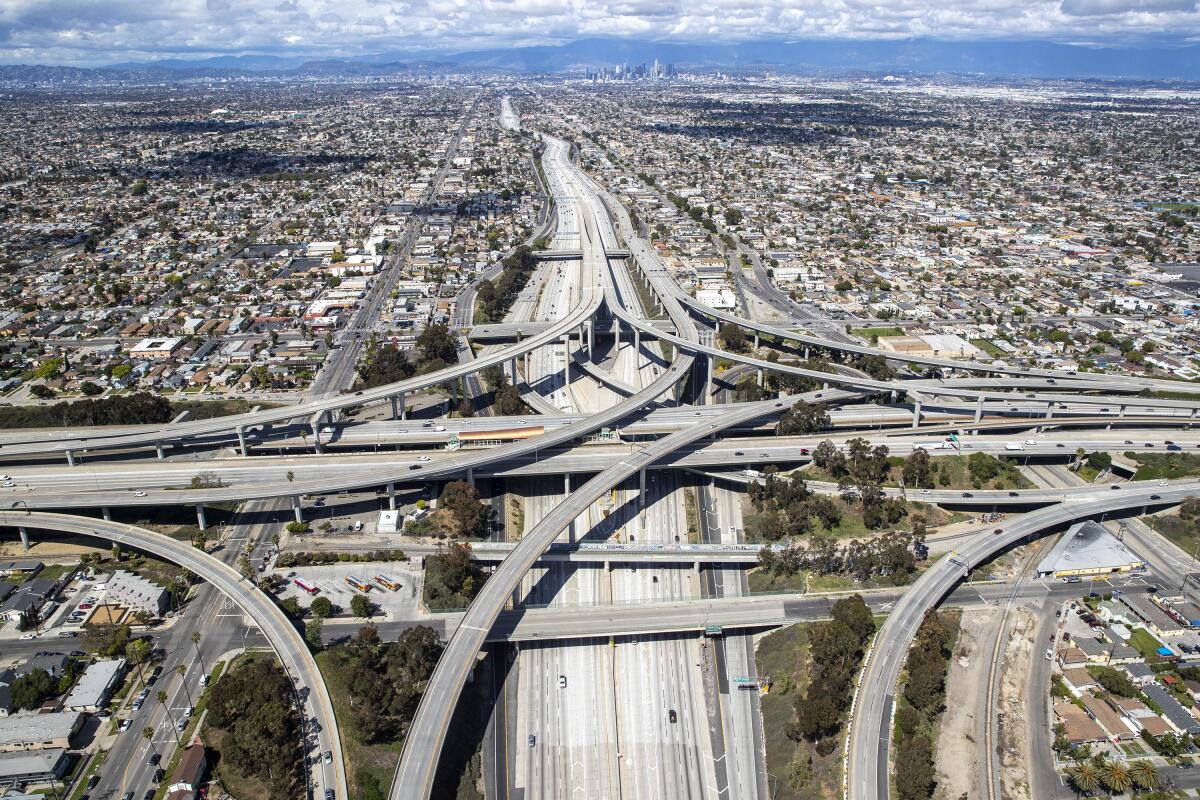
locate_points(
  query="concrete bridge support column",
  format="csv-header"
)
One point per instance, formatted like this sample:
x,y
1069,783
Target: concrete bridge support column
x,y
526,365
200,521
70,459
806,352
403,408
395,407
916,414
708,381
760,379
106,512
391,492
1049,410
315,424
241,432
158,451
512,370
297,511
24,537
642,488
1121,411
566,340
756,340
567,493
471,476
637,348
591,336
978,410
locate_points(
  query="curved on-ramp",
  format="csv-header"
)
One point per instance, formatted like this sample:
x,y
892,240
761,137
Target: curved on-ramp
x,y
870,727
284,639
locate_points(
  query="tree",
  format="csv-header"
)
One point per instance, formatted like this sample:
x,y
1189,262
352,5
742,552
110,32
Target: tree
x,y
1115,776
916,471
181,671
321,608
1144,774
436,342
460,511
1084,777
32,688
50,368
148,735
733,338
803,418
196,646
161,696
312,633
90,389
914,768
138,652
360,606
253,706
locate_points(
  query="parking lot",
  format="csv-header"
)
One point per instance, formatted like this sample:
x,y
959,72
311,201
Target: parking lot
x,y
330,581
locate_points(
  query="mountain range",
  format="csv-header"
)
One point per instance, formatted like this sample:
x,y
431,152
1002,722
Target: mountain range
x,y
1028,59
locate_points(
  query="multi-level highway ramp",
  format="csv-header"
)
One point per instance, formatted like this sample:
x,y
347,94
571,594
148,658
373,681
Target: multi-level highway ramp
x,y
870,727
279,630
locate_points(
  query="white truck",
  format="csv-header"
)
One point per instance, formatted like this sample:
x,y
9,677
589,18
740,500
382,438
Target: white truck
x,y
1014,446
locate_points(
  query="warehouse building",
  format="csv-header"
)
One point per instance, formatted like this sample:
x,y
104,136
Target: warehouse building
x,y
1087,550
96,686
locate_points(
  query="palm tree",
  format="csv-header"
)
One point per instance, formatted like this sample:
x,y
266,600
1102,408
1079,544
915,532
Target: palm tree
x,y
148,735
1144,774
181,670
1115,776
162,698
196,644
1084,777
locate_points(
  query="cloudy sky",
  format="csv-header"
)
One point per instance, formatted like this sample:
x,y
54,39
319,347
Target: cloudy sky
x,y
90,32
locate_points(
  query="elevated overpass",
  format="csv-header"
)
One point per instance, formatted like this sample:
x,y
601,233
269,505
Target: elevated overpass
x,y
870,726
293,652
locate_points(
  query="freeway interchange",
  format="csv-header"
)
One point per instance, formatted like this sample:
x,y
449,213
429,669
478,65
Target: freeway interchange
x,y
657,389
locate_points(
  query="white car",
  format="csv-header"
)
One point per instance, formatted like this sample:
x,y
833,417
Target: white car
x,y
1162,483
423,458
28,636
139,493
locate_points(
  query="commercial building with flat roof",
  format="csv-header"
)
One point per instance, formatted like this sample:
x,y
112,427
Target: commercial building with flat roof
x,y
35,767
96,686
1088,550
21,732
137,593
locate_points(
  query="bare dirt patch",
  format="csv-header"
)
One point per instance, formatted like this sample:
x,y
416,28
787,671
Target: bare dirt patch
x,y
959,748
1014,744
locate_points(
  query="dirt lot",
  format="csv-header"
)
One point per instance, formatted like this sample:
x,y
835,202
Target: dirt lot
x,y
958,752
1015,756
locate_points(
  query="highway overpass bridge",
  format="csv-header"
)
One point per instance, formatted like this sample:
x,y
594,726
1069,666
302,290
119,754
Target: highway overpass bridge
x,y
280,631
870,725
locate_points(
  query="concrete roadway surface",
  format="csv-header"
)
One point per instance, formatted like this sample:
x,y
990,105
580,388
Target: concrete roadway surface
x,y
870,729
744,765
278,629
118,484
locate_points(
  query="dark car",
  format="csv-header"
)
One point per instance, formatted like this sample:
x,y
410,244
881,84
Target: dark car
x,y
532,740
1115,486
671,715
92,781
1014,494
1156,497
998,531
414,466
967,494
153,759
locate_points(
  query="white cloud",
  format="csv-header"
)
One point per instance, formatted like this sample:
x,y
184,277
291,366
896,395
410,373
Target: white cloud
x,y
86,32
